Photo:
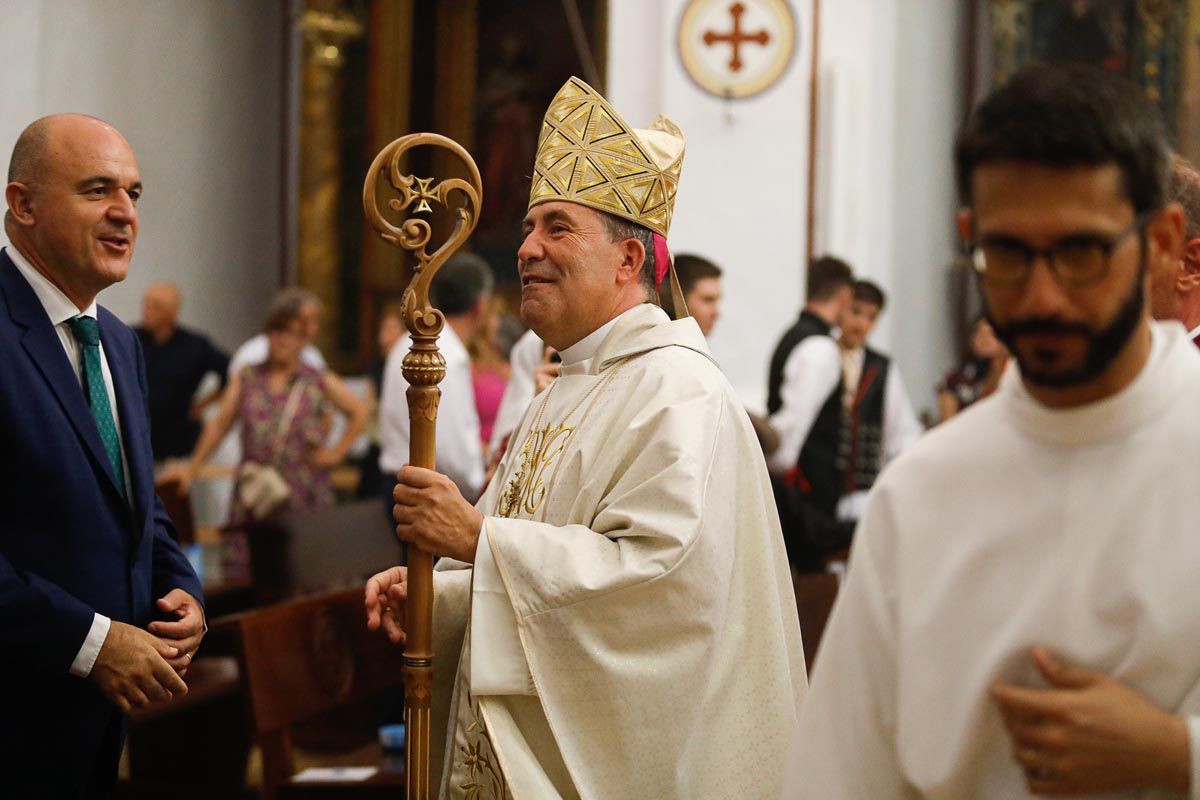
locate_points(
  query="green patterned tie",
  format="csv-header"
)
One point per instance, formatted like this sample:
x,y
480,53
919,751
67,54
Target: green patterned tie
x,y
87,332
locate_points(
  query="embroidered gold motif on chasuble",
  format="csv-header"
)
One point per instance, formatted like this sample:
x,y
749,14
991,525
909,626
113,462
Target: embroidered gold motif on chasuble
x,y
484,780
527,489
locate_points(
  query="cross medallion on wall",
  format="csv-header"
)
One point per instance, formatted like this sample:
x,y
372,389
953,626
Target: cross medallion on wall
x,y
736,49
736,37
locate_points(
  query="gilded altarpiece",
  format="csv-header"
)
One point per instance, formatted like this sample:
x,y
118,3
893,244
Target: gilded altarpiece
x,y
1155,43
373,70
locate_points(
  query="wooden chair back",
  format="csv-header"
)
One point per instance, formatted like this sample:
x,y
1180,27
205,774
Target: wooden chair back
x,y
303,658
815,593
179,508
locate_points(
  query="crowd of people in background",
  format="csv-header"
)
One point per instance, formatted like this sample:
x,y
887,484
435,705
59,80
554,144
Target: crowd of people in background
x,y
837,408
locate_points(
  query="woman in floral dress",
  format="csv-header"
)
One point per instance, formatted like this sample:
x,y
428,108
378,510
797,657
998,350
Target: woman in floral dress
x,y
259,397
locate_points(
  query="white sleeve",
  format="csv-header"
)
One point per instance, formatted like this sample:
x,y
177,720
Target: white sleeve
x,y
85,659
810,374
845,744
312,356
526,357
459,449
393,412
498,664
900,425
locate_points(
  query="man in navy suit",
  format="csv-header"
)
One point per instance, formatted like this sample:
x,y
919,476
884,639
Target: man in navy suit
x,y
99,610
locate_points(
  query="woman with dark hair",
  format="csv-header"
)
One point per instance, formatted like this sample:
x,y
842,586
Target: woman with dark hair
x,y
978,376
283,406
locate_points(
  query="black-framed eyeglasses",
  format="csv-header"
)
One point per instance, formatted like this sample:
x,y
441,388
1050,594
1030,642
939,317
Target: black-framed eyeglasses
x,y
1074,261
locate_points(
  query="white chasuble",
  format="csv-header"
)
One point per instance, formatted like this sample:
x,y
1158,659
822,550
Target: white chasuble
x,y
1010,526
653,648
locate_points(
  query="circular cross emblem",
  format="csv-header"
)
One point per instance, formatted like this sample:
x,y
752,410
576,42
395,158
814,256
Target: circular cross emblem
x,y
736,49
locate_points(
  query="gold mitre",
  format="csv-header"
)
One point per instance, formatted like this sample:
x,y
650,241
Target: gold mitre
x,y
588,155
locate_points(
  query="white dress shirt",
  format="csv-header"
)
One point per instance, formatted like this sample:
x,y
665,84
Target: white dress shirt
x,y
498,664
60,309
810,374
459,449
900,425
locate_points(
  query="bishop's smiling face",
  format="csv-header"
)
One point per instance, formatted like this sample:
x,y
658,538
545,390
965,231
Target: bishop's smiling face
x,y
568,268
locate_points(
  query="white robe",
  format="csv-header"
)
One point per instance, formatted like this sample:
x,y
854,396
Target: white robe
x,y
1012,525
647,586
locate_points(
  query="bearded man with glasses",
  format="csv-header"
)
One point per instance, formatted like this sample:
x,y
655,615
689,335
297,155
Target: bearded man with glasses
x,y
1021,614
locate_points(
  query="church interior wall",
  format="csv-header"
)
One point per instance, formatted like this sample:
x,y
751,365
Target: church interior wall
x,y
742,196
890,79
196,88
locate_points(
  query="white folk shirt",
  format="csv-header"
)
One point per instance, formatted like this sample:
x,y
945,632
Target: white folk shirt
x,y
1010,526
810,375
459,450
632,529
60,309
900,425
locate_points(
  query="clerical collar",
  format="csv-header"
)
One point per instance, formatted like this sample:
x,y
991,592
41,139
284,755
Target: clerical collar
x,y
587,347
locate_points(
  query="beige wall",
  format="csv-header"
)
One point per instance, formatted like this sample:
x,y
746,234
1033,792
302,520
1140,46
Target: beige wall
x,y
195,86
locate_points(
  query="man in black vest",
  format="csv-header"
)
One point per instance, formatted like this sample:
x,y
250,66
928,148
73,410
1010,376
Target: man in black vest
x,y
804,374
877,420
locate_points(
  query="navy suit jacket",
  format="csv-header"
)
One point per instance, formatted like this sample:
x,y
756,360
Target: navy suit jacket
x,y
70,544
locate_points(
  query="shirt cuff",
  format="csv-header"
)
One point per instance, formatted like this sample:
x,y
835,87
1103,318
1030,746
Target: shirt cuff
x,y
498,664
1193,728
85,659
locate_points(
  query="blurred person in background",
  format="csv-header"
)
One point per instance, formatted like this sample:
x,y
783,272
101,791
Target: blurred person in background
x,y
978,376
177,360
700,281
462,290
293,302
1175,288
490,369
282,405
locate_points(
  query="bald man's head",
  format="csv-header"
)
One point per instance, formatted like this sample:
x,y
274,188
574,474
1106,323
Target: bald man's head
x,y
160,308
30,149
72,203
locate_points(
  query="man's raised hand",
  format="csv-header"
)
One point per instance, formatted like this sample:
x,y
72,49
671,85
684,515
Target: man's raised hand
x,y
385,595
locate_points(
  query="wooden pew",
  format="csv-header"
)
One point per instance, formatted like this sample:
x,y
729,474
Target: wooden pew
x,y
301,659
815,593
208,723
331,548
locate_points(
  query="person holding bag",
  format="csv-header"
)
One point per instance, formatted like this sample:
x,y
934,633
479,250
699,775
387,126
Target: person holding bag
x,y
283,405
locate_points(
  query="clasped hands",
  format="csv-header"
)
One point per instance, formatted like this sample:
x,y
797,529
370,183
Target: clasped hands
x,y
136,668
1090,733
431,513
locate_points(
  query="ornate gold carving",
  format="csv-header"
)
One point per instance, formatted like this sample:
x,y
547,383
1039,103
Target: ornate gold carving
x,y
485,781
425,405
326,33
463,197
588,155
418,682
526,491
424,367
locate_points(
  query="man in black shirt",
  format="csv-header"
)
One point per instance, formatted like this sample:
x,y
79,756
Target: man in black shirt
x,y
176,361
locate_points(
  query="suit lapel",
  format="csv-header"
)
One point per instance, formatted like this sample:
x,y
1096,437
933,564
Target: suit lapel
x,y
45,349
122,364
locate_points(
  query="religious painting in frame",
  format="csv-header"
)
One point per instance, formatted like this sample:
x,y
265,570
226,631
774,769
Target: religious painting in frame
x,y
1155,43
